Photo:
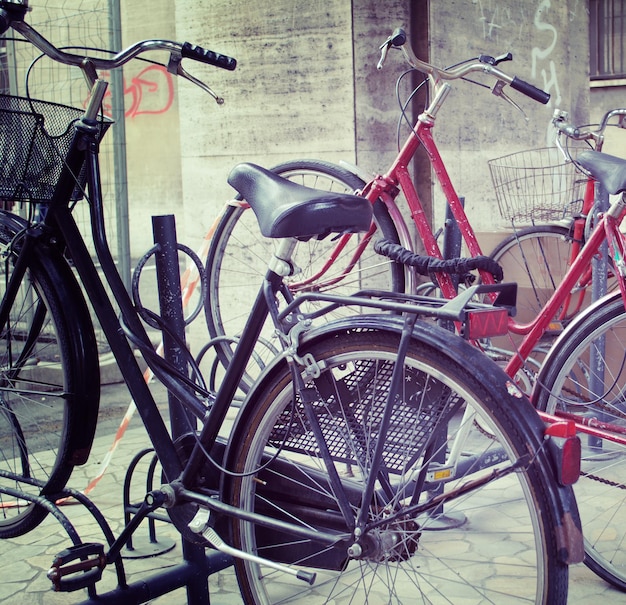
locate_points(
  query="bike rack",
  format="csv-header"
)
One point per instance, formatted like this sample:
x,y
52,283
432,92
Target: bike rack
x,y
53,508
91,558
136,547
197,565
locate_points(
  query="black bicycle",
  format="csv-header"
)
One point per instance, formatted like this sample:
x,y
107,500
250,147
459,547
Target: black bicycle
x,y
358,441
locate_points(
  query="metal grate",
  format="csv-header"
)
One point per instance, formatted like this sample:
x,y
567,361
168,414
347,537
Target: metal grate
x,y
69,23
349,411
607,39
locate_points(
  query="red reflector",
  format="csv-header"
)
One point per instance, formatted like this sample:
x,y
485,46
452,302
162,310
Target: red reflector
x,y
570,461
561,428
483,323
565,449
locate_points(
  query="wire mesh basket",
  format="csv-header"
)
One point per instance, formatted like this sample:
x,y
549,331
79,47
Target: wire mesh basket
x,y
536,185
34,139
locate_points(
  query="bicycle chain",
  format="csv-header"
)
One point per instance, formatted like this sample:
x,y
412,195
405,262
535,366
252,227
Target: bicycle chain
x,y
602,480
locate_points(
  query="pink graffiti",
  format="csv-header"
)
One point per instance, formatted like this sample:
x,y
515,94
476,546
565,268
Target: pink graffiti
x,y
151,91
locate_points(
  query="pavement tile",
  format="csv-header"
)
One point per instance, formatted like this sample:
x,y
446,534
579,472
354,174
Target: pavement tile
x,y
26,560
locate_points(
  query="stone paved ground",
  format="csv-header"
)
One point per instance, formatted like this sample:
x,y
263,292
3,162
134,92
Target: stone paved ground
x,y
24,561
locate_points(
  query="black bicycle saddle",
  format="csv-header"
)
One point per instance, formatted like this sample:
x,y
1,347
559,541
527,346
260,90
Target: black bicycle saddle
x,y
607,169
285,209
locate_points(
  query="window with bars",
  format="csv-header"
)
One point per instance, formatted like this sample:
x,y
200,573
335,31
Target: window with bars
x,y
607,28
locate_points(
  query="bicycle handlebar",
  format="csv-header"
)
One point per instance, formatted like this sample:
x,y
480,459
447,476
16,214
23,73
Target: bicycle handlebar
x,y
485,65
12,15
197,53
583,133
577,133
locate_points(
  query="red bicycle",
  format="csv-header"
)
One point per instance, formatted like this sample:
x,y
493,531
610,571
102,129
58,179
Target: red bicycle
x,y
349,263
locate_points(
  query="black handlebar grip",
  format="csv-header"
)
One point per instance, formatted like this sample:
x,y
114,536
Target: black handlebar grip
x,y
197,53
398,38
530,91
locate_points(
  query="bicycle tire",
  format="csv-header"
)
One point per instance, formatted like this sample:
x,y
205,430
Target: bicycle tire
x,y
50,380
238,257
567,382
405,562
537,258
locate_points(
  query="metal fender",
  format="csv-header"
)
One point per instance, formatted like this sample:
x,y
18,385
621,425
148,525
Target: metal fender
x,y
568,530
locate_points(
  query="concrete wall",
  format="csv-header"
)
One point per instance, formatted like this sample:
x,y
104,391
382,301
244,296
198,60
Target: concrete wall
x,y
152,124
305,87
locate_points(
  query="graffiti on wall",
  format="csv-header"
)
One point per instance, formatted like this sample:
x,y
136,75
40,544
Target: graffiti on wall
x,y
150,92
542,63
496,19
521,20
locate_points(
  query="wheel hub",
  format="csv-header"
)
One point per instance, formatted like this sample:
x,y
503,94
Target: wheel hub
x,y
397,542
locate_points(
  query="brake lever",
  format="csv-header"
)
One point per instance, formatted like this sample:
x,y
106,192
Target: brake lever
x,y
175,67
384,49
489,60
397,38
504,57
498,90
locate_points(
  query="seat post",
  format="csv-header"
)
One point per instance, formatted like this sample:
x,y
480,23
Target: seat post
x,y
281,262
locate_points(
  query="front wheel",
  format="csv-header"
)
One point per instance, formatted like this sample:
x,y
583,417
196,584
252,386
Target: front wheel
x,y
536,258
498,542
585,376
49,380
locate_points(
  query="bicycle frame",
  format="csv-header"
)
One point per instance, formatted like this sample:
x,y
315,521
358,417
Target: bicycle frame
x,y
579,270
59,223
386,187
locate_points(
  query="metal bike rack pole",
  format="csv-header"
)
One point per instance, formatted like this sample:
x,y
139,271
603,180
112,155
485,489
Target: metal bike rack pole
x,y
599,268
119,149
600,263
171,308
452,238
451,248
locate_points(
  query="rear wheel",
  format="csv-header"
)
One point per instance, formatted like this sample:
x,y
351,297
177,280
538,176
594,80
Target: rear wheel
x,y
49,381
499,542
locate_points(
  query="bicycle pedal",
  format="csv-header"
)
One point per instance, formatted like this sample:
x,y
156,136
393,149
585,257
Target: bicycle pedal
x,y
77,567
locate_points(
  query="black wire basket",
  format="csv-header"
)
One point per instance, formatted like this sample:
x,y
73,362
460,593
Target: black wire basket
x,y
34,139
